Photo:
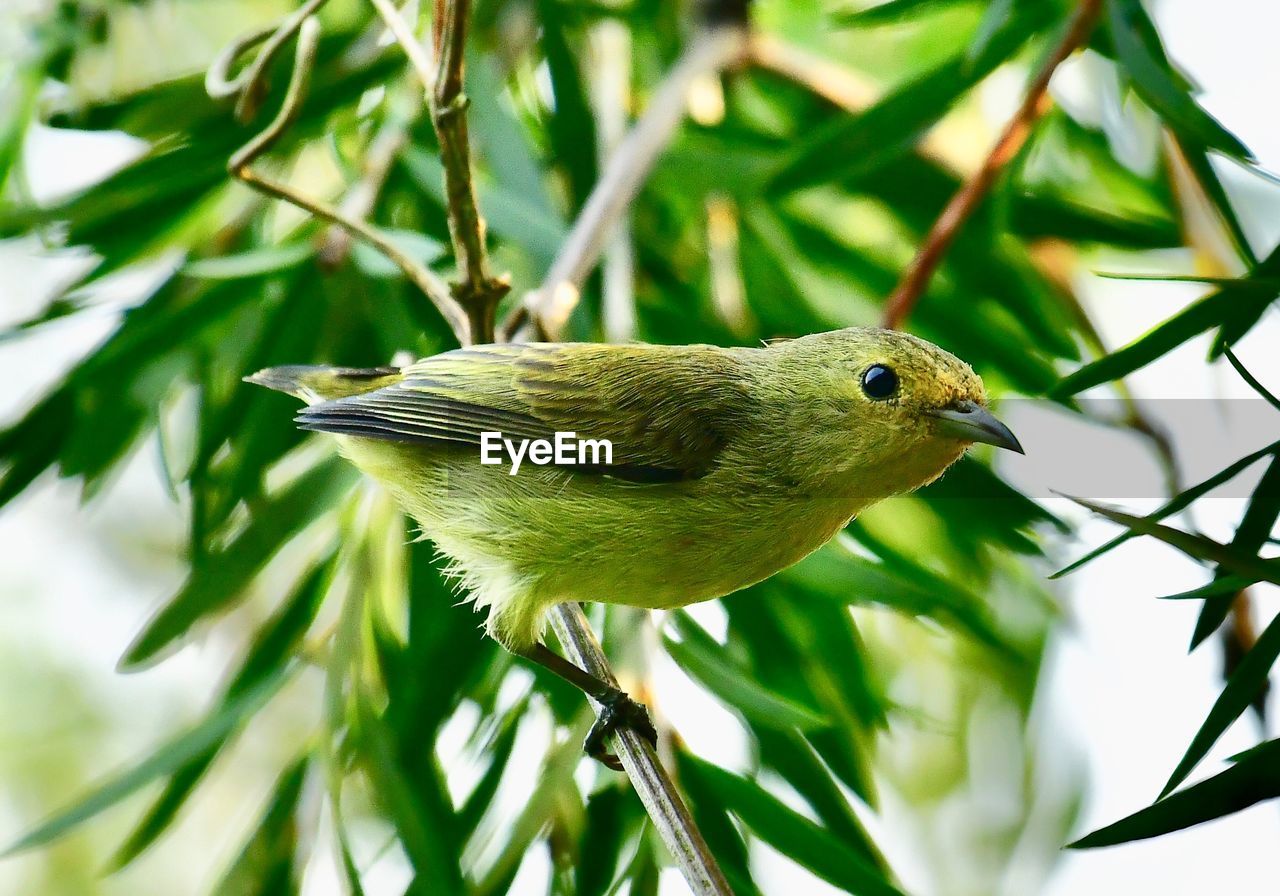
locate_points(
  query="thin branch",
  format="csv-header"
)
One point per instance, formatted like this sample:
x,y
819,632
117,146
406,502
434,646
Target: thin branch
x,y
711,51
308,31
477,290
1034,105
670,816
253,83
408,41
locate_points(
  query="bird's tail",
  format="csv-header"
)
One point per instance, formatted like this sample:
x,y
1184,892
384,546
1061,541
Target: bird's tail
x,y
314,384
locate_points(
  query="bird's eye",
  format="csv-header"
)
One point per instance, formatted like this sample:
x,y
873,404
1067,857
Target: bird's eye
x,y
879,382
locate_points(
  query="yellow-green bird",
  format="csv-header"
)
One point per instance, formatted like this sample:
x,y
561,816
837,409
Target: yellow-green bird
x,y
680,473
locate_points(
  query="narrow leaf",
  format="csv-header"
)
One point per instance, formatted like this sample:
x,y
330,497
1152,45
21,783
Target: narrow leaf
x,y
253,263
793,835
1242,688
1199,547
1242,299
164,761
1132,34
704,659
1180,502
268,863
221,579
1249,378
271,650
1254,778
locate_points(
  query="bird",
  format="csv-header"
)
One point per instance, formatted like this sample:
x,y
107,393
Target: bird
x,y
723,465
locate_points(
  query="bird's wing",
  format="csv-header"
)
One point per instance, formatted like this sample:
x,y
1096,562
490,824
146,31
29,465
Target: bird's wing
x,y
667,412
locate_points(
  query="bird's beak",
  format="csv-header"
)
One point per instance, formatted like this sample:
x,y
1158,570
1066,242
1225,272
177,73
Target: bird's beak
x,y
971,422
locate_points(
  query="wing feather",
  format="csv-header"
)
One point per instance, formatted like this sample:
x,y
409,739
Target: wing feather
x,y
668,411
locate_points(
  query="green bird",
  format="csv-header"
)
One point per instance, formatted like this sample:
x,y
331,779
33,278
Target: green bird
x,y
646,475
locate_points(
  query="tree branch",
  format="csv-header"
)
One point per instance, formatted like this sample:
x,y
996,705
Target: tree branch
x,y
475,289
670,816
248,83
547,308
962,205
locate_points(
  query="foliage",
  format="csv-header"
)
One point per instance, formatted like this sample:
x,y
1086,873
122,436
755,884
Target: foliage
x,y
827,207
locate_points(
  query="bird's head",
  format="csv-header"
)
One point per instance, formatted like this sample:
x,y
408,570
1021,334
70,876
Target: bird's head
x,y
893,411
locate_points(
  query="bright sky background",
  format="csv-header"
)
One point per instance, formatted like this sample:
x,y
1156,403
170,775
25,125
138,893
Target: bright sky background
x,y
1121,689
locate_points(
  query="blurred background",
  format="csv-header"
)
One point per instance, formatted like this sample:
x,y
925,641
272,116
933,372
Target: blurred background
x,y
921,702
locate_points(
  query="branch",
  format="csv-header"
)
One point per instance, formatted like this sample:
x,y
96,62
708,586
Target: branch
x,y
249,83
670,816
962,205
548,308
476,289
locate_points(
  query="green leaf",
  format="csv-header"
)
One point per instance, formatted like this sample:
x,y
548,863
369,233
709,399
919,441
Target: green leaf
x,y
995,17
836,572
1137,46
890,12
499,754
610,812
427,835
699,655
1243,299
167,759
272,649
791,756
571,126
1199,547
793,835
1178,503
1218,587
1255,777
269,865
220,579
418,246
889,128
1241,690
252,263
1249,378
1259,519
1200,167
717,827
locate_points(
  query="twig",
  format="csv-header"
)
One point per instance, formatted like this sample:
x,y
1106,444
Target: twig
x,y
711,51
408,41
670,816
308,33
970,195
476,290
252,81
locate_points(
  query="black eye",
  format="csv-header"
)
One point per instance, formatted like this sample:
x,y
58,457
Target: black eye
x,y
879,382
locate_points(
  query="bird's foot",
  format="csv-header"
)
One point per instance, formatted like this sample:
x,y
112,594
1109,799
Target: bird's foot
x,y
617,711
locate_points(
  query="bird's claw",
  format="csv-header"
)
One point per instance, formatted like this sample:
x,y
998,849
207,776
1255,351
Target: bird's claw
x,y
616,712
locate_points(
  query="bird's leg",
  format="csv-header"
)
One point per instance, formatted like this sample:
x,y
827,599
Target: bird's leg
x,y
617,709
